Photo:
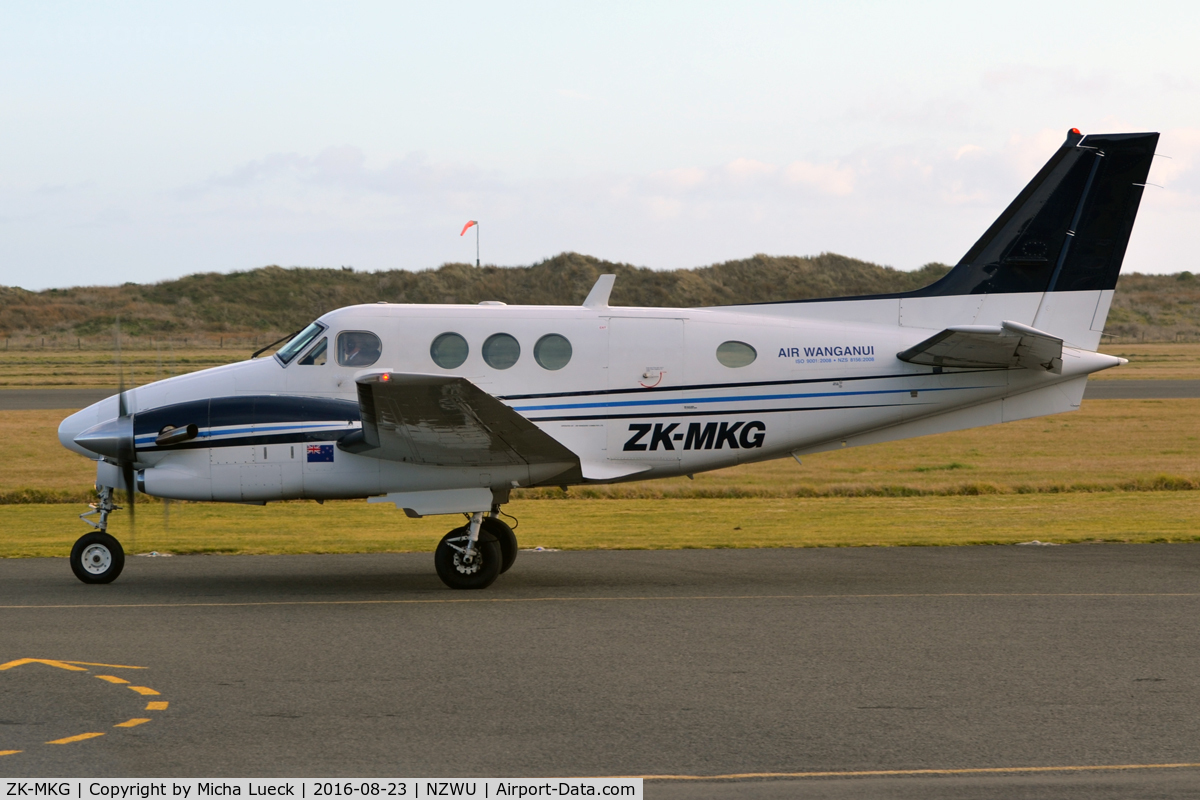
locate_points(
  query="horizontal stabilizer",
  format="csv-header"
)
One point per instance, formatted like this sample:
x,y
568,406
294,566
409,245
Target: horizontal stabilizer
x,y
1010,345
440,420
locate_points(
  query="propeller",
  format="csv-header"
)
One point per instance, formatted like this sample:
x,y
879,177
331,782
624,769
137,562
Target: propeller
x,y
127,452
113,438
166,501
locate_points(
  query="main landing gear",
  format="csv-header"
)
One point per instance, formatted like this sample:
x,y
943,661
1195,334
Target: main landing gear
x,y
98,557
473,556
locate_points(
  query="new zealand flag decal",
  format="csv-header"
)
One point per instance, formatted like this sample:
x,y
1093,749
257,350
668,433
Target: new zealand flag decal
x,y
320,452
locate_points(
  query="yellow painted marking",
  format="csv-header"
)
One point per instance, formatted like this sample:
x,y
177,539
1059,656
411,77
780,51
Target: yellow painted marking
x,y
110,666
112,679
9,752
876,773
131,723
142,689
156,705
47,661
662,598
63,664
78,738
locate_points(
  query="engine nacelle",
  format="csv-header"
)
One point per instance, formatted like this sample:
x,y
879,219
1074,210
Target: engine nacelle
x,y
176,482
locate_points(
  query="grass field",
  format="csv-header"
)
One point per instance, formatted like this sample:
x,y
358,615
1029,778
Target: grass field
x,y
1107,445
66,368
356,527
1097,474
82,369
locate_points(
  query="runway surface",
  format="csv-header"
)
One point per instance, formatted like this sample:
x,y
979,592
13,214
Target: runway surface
x,y
1141,390
36,399
29,399
672,663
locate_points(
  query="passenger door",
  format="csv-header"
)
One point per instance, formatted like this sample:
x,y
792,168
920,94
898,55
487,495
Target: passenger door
x,y
644,355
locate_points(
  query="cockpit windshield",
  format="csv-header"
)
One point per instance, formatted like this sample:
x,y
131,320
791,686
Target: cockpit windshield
x,y
289,350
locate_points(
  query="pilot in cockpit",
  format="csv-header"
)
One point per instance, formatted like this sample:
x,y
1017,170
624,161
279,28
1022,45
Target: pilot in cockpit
x,y
358,349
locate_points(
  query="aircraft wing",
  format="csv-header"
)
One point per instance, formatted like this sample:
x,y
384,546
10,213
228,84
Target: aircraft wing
x,y
1011,345
440,420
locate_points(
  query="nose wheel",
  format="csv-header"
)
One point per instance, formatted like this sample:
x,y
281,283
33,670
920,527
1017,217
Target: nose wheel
x,y
97,558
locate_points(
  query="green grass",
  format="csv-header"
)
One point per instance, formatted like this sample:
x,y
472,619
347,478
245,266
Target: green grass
x,y
1109,445
1119,470
356,527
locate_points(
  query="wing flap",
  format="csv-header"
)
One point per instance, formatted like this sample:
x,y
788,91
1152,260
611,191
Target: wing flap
x,y
1010,345
441,420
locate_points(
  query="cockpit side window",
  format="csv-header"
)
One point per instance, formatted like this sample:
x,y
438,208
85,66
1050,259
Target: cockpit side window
x,y
358,348
317,356
302,340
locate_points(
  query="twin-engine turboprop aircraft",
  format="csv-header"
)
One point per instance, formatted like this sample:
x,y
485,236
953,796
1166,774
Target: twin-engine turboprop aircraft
x,y
445,409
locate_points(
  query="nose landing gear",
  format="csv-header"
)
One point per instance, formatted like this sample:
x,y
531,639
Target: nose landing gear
x,y
98,557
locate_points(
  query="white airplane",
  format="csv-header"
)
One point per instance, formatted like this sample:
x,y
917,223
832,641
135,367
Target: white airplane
x,y
445,409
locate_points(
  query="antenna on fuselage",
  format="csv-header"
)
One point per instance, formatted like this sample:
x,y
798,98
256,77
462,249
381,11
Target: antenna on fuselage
x,y
598,296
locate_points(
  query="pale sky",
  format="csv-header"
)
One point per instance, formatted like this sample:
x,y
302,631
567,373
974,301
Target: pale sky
x,y
144,141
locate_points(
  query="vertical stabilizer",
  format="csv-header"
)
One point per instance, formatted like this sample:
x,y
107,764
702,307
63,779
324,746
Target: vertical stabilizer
x,y
1068,229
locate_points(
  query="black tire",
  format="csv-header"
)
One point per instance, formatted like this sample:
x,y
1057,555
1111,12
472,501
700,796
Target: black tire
x,y
507,539
97,558
478,574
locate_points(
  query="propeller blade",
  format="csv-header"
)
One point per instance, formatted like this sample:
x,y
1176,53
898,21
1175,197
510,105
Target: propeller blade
x,y
130,490
121,407
128,448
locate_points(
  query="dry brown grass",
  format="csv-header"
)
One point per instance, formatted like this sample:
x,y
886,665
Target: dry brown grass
x,y
1158,361
1107,445
68,368
82,369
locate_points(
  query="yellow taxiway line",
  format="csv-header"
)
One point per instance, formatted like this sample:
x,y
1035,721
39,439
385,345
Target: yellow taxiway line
x,y
884,773
77,738
132,723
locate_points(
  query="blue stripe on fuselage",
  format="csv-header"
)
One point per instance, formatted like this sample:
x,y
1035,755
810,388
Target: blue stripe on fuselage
x,y
735,399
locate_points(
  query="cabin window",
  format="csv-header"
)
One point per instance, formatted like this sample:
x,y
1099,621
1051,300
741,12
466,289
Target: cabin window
x,y
358,348
302,340
736,354
501,351
449,351
317,356
552,351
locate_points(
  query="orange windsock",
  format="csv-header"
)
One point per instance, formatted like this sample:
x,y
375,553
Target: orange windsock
x,y
467,226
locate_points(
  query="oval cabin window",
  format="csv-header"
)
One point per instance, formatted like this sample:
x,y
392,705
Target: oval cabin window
x,y
449,351
501,351
358,348
736,354
552,351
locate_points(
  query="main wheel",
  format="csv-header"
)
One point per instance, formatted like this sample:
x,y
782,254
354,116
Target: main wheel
x,y
507,539
97,558
459,572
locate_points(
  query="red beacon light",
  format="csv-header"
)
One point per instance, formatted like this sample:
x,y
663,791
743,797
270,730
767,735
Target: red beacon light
x,y
1075,131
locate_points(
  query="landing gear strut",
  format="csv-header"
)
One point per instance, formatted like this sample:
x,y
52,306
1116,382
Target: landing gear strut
x,y
98,557
469,557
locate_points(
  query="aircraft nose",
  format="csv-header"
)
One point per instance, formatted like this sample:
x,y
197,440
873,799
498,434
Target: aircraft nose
x,y
73,426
